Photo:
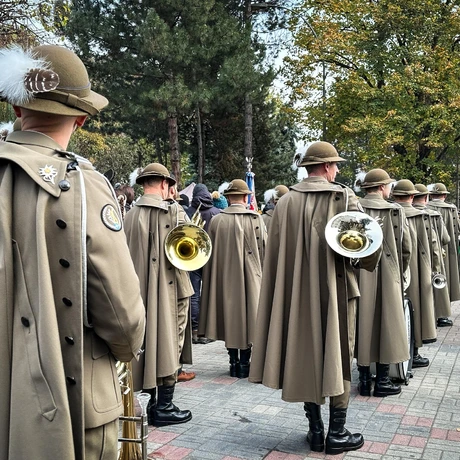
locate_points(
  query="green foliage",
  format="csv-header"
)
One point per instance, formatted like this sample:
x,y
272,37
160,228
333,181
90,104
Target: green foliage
x,y
393,77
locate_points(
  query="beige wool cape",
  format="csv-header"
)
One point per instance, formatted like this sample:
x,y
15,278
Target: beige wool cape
x,y
381,335
146,226
267,218
302,342
63,261
420,290
232,276
438,234
449,214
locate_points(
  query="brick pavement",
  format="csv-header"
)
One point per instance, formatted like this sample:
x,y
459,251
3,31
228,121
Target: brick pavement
x,y
234,419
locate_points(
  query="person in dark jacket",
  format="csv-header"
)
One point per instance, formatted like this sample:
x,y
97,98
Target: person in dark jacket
x,y
203,201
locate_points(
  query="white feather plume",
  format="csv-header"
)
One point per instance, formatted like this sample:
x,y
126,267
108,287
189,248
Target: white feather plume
x,y
359,180
269,195
223,187
133,176
5,129
430,187
14,65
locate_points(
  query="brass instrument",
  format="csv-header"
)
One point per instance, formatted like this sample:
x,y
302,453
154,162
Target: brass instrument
x,y
438,281
354,234
188,247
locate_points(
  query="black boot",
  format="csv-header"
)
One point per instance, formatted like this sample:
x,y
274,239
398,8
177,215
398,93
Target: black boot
x,y
444,322
151,406
166,413
234,362
315,436
383,385
365,380
419,361
245,356
339,439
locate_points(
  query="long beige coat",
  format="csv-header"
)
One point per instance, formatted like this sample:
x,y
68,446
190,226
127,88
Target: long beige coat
x,y
231,278
381,329
267,218
63,261
146,225
420,290
450,216
302,337
440,237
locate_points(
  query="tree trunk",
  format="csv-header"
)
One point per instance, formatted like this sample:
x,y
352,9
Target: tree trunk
x,y
174,148
200,146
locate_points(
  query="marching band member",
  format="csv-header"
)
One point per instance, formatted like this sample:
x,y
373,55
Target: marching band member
x,y
381,335
306,320
231,278
449,213
420,288
440,238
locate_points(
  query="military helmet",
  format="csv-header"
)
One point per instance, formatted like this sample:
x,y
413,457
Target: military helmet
x,y
237,187
404,187
155,170
50,79
320,152
376,177
280,191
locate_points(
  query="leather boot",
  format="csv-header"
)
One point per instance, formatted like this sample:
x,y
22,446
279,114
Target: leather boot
x,y
338,438
166,413
234,362
151,406
383,385
419,361
365,380
245,357
315,436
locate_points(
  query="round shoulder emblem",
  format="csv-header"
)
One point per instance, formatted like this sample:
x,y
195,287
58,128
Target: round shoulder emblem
x,y
110,218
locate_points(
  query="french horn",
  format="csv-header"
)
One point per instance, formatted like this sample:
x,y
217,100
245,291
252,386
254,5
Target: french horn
x,y
188,247
354,234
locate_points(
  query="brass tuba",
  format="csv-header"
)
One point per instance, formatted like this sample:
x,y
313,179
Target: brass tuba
x,y
354,234
188,247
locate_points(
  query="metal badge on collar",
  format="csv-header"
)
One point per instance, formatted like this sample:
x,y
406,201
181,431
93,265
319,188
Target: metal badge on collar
x,y
48,173
110,218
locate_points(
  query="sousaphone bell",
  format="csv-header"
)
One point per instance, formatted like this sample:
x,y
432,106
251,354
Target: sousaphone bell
x,y
187,246
354,234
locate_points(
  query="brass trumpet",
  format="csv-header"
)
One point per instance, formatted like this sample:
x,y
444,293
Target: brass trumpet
x,y
187,246
438,281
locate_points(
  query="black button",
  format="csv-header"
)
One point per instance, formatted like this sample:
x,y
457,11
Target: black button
x,y
166,211
169,268
395,213
257,237
154,260
61,224
257,228
167,226
250,252
64,185
254,217
67,302
70,340
388,255
170,282
25,322
339,275
337,198
65,263
71,380
395,226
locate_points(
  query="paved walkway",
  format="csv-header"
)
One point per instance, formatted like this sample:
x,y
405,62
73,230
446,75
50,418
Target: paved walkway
x,y
234,419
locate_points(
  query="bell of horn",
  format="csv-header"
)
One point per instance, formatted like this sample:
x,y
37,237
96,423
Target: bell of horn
x,y
438,281
354,234
188,247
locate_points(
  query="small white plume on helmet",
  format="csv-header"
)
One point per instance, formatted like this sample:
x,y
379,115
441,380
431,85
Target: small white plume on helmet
x,y
133,176
270,195
359,180
223,187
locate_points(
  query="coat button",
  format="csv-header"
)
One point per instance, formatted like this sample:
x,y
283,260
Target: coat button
x,y
61,224
339,275
154,260
167,226
67,302
170,282
337,198
65,263
64,185
250,252
70,340
166,211
25,322
71,380
257,228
